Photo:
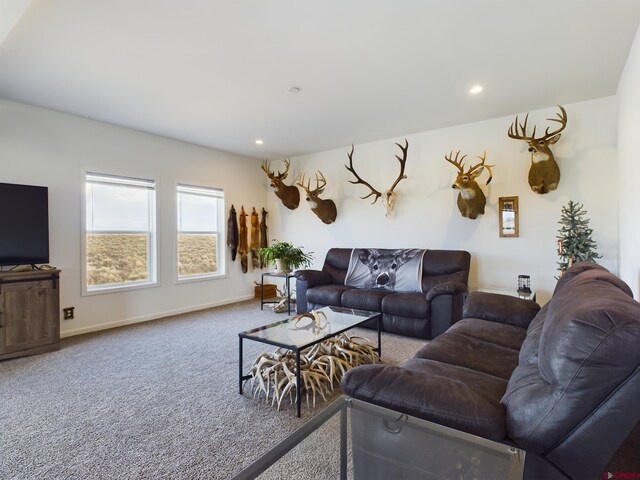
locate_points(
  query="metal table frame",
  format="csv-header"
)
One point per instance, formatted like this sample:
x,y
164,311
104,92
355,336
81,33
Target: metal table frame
x,y
392,419
297,351
287,277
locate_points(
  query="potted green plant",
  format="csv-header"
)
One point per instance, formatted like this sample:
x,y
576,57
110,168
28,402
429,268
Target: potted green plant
x,y
285,257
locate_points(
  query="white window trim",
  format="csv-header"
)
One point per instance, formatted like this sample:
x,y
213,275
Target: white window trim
x,y
154,237
222,237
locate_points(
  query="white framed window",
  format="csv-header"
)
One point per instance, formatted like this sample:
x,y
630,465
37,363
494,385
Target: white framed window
x,y
119,241
200,233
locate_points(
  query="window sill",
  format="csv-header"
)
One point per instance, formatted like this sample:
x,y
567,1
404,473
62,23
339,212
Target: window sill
x,y
200,278
119,288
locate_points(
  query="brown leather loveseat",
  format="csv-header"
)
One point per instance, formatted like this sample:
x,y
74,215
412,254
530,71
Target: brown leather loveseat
x,y
561,382
425,314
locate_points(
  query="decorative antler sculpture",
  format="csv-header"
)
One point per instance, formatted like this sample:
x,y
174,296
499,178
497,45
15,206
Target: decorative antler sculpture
x,y
388,196
325,209
321,368
544,174
471,199
289,194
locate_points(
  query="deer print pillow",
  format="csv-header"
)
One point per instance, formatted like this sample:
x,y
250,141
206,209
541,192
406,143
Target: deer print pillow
x,y
388,269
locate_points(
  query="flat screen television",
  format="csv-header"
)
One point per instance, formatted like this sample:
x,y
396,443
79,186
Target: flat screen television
x,y
24,224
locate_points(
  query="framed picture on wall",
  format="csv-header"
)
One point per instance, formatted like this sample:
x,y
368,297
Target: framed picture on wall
x,y
508,217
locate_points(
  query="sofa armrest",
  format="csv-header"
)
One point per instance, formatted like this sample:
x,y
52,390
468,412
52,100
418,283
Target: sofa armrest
x,y
446,288
313,278
445,301
435,398
306,279
500,308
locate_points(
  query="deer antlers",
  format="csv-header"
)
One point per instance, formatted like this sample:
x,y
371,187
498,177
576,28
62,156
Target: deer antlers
x,y
360,180
319,188
473,171
266,168
513,129
375,192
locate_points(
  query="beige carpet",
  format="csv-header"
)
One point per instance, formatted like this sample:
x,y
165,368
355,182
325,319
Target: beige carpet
x,y
159,400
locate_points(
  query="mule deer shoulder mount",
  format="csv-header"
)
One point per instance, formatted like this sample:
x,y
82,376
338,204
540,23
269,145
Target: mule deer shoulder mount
x,y
325,209
471,199
544,173
289,194
388,196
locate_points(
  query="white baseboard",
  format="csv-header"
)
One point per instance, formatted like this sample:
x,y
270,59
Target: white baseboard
x,y
146,318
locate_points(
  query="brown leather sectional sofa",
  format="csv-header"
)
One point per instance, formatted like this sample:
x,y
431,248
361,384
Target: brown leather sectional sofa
x,y
445,275
561,382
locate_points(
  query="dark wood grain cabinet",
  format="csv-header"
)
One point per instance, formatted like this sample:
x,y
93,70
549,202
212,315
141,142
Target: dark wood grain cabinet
x,y
29,313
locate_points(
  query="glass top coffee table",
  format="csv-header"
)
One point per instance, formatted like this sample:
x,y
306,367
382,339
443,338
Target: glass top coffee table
x,y
298,335
352,439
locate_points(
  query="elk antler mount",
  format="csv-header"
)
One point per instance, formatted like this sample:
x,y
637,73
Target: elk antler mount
x,y
544,174
289,194
388,196
471,199
325,209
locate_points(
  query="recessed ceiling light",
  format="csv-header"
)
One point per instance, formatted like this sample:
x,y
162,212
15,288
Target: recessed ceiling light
x,y
259,142
294,89
476,89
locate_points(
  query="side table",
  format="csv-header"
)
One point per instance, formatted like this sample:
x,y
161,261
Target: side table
x,y
506,291
287,279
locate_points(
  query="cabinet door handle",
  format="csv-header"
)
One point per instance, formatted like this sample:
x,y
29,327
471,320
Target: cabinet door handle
x,y
1,319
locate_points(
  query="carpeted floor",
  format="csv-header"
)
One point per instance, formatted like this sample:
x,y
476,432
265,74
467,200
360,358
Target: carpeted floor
x,y
159,400
148,401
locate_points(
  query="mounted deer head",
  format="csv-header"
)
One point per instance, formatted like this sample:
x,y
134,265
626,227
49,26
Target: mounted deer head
x,y
544,174
289,194
471,199
388,196
325,209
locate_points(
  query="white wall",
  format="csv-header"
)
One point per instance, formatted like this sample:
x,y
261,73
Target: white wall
x,y
43,147
426,213
628,129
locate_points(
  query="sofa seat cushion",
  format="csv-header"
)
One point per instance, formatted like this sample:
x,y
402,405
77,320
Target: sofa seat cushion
x,y
450,395
326,294
364,298
406,304
508,336
472,353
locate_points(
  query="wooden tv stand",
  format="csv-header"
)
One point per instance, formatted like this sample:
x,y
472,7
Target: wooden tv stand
x,y
29,313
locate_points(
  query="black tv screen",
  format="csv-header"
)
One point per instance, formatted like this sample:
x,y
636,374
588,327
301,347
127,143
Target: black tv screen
x,y
24,224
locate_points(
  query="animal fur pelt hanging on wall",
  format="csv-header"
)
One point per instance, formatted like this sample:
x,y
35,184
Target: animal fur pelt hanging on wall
x,y
243,241
255,239
264,238
232,233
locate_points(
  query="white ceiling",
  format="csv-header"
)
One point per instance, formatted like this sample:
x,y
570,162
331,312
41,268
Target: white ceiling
x,y
217,73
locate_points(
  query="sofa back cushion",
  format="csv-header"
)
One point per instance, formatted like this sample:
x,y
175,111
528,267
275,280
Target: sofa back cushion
x,y
439,266
575,270
587,347
336,264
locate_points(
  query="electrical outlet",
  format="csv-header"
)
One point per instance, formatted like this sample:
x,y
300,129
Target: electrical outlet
x,y
68,313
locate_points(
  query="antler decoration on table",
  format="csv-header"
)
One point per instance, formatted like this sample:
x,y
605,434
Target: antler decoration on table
x,y
314,315
544,174
388,196
321,368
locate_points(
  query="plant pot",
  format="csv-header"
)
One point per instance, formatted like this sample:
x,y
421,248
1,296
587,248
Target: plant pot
x,y
281,266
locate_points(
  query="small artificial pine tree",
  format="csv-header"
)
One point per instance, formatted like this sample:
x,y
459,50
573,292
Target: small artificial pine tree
x,y
574,240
